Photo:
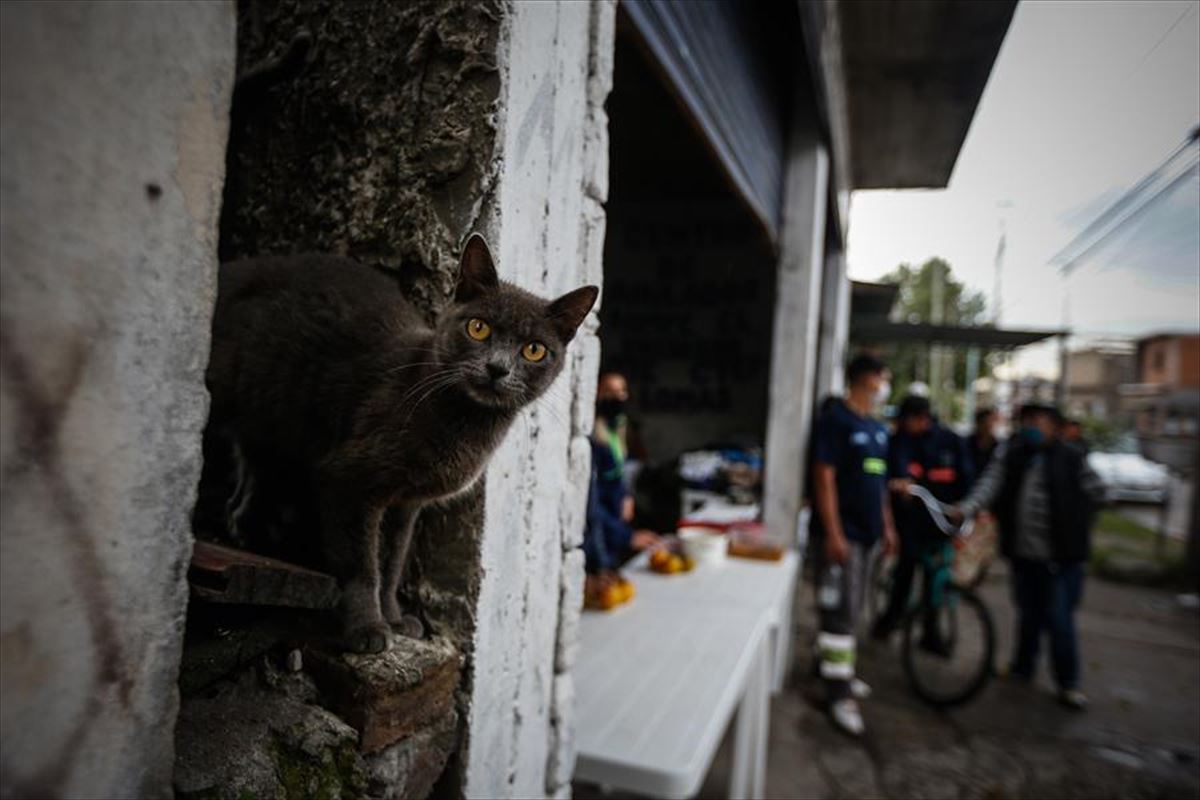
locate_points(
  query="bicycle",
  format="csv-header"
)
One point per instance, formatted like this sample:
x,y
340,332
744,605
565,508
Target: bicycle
x,y
948,634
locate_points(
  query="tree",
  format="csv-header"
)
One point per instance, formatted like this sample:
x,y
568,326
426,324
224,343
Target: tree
x,y
916,303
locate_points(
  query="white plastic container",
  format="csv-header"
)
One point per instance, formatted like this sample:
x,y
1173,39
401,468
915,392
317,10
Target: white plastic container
x,y
703,545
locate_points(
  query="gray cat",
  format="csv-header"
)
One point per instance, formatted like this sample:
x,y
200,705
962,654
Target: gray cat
x,y
330,384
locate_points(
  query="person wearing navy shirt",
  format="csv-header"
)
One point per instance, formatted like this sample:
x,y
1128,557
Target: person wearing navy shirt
x,y
929,455
852,516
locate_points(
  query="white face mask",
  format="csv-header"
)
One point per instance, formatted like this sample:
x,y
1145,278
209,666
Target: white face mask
x,y
883,393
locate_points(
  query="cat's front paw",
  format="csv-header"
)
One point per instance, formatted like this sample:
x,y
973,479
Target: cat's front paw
x,y
408,625
369,638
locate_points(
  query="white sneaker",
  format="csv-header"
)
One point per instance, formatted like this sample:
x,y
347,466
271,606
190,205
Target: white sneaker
x,y
1073,699
847,716
860,689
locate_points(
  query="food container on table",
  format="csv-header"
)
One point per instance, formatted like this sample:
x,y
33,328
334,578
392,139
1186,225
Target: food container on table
x,y
703,545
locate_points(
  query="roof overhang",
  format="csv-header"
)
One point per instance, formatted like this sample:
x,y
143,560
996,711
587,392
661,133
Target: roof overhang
x,y
893,86
913,74
872,299
885,331
871,306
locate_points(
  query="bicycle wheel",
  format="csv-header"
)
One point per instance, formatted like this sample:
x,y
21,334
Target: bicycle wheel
x,y
951,661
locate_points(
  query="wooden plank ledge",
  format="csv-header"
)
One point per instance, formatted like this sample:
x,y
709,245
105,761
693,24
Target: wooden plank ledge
x,y
220,574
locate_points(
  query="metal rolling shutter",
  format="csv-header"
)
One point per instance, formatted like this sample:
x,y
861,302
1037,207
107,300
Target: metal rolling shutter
x,y
714,58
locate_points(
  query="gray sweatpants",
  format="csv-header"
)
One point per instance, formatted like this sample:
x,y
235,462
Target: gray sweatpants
x,y
836,645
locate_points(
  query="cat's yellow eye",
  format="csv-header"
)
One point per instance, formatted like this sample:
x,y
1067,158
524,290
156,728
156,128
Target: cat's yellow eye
x,y
534,351
477,329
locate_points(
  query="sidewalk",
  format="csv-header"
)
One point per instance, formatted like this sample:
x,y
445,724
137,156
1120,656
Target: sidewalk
x,y
1140,738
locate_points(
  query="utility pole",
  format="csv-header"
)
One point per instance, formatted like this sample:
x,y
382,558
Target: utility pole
x,y
999,266
937,313
1060,388
973,354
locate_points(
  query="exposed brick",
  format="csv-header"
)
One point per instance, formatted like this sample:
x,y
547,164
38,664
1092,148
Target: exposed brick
x,y
390,695
408,769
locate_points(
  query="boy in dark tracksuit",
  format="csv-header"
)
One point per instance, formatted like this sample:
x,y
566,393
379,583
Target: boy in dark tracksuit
x,y
851,516
925,453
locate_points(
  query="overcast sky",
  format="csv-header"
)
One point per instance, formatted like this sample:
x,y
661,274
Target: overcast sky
x,y
1084,100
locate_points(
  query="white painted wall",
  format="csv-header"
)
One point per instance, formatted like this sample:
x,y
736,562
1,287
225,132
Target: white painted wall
x,y
556,61
114,129
835,325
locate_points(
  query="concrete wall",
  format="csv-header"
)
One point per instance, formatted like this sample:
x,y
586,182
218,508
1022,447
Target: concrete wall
x,y
797,323
114,129
374,140
835,325
556,73
380,143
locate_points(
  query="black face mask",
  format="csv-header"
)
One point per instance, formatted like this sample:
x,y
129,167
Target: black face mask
x,y
610,408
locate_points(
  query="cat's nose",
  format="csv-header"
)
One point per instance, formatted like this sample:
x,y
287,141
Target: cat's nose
x,y
497,371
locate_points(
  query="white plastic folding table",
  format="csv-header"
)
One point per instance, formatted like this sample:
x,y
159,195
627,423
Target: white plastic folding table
x,y
658,681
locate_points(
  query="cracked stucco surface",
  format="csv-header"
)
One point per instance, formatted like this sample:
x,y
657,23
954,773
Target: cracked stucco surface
x,y
557,65
114,129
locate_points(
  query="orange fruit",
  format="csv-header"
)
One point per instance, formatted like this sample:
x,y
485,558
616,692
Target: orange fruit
x,y
610,597
627,590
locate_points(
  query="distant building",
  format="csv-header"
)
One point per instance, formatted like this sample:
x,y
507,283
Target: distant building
x,y
1171,360
1165,398
1094,377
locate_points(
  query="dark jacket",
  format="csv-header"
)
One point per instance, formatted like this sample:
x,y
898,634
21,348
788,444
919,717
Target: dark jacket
x,y
937,460
1072,507
606,537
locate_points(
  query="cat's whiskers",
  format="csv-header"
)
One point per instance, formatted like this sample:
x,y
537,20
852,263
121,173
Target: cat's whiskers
x,y
450,373
433,377
558,394
557,415
537,406
437,386
524,422
412,366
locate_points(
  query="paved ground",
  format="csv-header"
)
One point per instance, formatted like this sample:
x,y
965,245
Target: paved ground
x,y
1140,739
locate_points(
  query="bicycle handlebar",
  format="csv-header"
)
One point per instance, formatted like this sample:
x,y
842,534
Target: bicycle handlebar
x,y
937,510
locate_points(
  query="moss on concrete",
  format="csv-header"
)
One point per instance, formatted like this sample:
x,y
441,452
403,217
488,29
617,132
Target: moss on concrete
x,y
333,773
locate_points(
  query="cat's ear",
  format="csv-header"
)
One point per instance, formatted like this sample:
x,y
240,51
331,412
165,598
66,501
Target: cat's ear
x,y
477,272
568,312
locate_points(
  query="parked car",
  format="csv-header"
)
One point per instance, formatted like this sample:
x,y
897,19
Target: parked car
x,y
1131,478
